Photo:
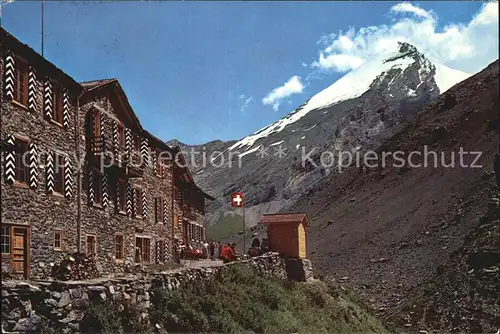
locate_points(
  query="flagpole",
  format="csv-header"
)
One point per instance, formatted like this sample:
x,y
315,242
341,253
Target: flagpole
x,y
42,26
244,231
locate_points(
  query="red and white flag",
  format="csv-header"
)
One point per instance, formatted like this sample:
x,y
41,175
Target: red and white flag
x,y
237,199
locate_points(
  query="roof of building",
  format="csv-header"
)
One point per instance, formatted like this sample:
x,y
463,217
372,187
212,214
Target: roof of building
x,y
34,58
90,85
285,218
9,42
95,86
187,176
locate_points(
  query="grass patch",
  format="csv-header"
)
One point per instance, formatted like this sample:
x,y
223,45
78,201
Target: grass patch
x,y
241,300
225,227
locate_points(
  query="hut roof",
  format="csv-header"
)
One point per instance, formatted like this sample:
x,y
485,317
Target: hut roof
x,y
285,218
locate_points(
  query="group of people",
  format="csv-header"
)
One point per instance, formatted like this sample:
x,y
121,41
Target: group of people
x,y
257,248
216,250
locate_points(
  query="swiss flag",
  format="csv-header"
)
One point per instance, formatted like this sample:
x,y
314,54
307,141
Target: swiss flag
x,y
237,199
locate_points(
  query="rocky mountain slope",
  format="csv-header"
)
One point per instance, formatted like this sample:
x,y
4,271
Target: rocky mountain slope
x,y
414,241
357,112
386,231
463,294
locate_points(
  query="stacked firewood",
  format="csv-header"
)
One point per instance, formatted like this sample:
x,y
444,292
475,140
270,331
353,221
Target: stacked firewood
x,y
75,267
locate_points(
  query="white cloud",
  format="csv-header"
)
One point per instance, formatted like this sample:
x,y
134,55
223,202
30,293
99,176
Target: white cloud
x,y
338,62
406,7
245,101
292,86
467,47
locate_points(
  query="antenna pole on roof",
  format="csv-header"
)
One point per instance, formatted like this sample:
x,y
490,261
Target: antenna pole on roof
x,y
42,26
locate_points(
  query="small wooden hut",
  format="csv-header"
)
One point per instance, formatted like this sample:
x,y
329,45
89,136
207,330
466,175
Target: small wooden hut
x,y
286,233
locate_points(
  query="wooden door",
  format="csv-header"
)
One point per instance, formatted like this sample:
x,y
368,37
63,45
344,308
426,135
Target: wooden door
x,y
20,252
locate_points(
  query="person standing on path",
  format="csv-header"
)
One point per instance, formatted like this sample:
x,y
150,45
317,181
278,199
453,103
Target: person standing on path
x,y
211,249
219,248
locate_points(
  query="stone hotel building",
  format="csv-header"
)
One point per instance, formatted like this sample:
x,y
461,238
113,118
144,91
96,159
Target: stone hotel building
x,y
81,174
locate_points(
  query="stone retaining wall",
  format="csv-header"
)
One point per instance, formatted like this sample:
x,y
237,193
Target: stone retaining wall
x,y
25,305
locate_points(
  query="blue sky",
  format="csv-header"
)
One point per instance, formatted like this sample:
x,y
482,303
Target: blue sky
x,y
199,71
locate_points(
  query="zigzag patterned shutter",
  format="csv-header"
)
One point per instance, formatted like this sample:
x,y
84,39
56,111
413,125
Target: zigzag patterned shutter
x,y
116,142
49,171
164,211
9,76
68,178
32,89
128,139
103,119
47,98
144,204
117,195
130,199
33,170
10,172
155,163
145,150
105,190
90,178
65,116
166,252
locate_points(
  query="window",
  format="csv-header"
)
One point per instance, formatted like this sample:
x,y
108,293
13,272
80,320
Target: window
x,y
159,170
5,240
119,247
96,123
176,222
21,81
142,249
138,202
159,210
58,240
198,201
91,245
97,186
137,143
121,196
160,165
59,173
57,103
121,137
21,168
176,193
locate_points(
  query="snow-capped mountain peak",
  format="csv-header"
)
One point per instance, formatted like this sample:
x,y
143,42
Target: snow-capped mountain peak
x,y
384,72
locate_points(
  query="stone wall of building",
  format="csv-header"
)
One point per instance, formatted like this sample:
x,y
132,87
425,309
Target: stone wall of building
x,y
24,206
46,214
63,304
106,223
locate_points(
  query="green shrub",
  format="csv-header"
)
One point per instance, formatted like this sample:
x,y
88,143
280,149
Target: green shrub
x,y
111,317
241,300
